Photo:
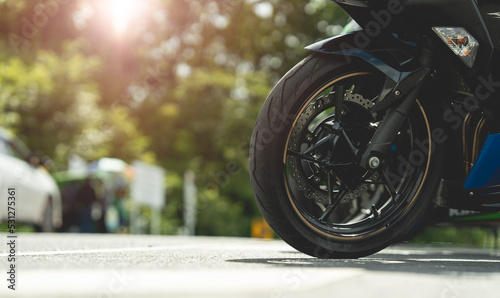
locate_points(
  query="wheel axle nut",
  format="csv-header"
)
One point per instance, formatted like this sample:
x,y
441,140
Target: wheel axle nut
x,y
374,162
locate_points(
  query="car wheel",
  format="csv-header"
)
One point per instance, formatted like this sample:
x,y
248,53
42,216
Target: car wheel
x,y
46,225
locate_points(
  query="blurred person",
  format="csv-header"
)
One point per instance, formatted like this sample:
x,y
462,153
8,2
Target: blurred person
x,y
71,218
85,197
102,202
119,204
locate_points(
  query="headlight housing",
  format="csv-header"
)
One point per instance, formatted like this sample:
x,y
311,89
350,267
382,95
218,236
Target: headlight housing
x,y
460,42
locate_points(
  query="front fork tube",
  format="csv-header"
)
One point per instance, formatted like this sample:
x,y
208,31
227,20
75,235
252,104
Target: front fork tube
x,y
382,140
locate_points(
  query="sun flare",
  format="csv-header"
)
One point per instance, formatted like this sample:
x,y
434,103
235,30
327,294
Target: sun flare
x,y
122,13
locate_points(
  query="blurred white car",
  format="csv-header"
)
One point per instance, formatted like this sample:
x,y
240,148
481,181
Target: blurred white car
x,y
38,200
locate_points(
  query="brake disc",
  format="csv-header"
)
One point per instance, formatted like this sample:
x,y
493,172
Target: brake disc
x,y
308,177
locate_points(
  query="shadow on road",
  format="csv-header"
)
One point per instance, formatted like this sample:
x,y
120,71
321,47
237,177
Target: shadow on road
x,y
424,260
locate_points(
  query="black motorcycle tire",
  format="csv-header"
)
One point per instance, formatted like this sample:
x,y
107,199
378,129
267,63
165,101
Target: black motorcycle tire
x,y
268,173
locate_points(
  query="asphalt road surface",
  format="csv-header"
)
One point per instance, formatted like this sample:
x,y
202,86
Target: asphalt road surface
x,y
71,265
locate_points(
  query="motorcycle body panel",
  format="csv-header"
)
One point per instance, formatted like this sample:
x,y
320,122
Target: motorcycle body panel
x,y
486,171
490,11
405,17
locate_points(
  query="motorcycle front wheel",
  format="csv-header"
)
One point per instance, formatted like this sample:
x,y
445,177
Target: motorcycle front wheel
x,y
305,154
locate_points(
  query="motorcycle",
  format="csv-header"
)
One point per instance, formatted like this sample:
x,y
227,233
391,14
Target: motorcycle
x,y
357,141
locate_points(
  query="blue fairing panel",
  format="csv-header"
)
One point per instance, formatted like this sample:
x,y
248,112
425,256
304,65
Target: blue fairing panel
x,y
486,171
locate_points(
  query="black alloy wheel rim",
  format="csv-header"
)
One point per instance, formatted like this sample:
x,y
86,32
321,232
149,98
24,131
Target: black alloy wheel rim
x,y
321,159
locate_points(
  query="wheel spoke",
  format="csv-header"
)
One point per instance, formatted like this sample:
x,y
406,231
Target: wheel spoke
x,y
324,163
336,129
304,157
334,201
320,143
387,182
354,150
375,211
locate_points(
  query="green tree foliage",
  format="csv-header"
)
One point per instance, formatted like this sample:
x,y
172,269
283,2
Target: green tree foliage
x,y
39,105
178,82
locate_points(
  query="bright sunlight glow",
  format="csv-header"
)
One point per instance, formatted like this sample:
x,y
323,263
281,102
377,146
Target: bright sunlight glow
x,y
122,13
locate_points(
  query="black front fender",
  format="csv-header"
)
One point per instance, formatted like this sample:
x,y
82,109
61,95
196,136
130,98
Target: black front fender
x,y
399,60
386,52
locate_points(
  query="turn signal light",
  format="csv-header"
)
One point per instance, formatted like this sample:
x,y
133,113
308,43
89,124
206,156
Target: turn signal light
x,y
460,42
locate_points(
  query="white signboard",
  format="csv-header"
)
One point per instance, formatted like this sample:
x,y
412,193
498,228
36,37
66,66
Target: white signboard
x,y
148,186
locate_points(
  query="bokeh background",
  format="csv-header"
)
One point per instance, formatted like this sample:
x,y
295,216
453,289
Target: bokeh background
x,y
176,83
